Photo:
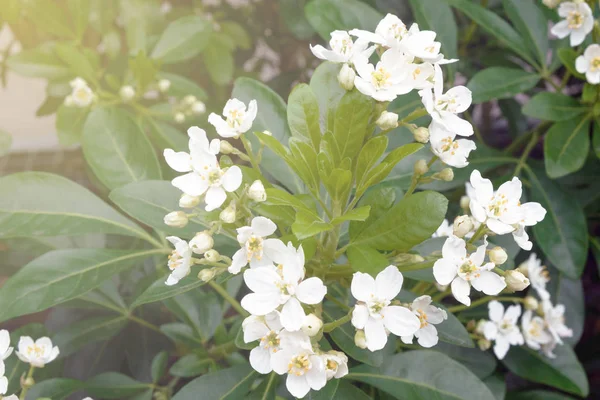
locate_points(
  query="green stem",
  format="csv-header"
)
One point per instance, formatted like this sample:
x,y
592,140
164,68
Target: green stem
x,y
418,113
234,303
478,234
143,323
530,145
484,300
440,296
26,387
417,267
332,325
337,302
249,152
223,349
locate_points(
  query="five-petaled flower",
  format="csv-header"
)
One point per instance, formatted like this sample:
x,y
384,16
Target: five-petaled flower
x,y
180,260
444,145
256,250
343,48
589,64
502,328
36,353
534,331
577,23
238,119
428,315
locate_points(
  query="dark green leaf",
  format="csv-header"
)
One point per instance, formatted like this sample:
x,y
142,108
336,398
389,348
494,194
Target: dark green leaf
x,y
56,388
224,384
529,20
480,363
159,291
366,259
326,393
190,366
553,107
159,366
501,83
568,56
200,310
327,16
182,334
75,336
566,146
497,385
114,385
537,395
183,39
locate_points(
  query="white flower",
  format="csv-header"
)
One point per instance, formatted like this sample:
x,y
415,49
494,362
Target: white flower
x,y
534,331
127,92
164,85
312,325
346,77
531,214
187,201
389,32
444,107
428,316
81,95
501,210
443,144
578,22
445,229
336,364
177,219
237,120
537,274
466,271
5,349
180,260
38,353
589,64
305,370
284,286
202,242
257,192
554,316
386,80
14,397
548,349
373,311
256,250
503,328
462,226
343,48
422,45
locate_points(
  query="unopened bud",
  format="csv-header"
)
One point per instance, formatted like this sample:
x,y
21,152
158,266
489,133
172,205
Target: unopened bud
x,y
484,344
189,99
360,340
387,120
257,192
206,274
421,167
187,201
464,202
202,242
346,77
421,134
445,175
551,3
228,215
515,281
164,85
179,117
226,147
480,326
531,303
127,93
198,108
408,258
212,255
462,226
176,219
471,325
312,325
69,101
498,255
268,133
27,382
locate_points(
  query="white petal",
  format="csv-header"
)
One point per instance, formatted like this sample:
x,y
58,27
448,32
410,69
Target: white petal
x,y
561,30
274,249
316,376
260,303
24,343
489,283
463,96
454,248
422,302
221,126
263,227
262,280
4,386
215,197
479,255
311,291
532,213
455,124
388,282
4,342
191,184
501,347
498,227
513,313
260,360
281,359
407,339
400,320
232,179
238,261
496,310
360,316
297,385
460,291
375,334
254,329
180,161
483,187
581,65
444,271
490,330
363,286
427,336
292,315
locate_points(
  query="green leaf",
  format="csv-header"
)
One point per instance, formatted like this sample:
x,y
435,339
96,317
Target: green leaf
x,y
480,363
501,83
183,39
308,224
357,214
165,136
75,336
237,33
77,62
325,86
569,292
69,124
49,18
380,199
303,160
63,275
116,148
497,385
327,16
366,259
223,384
412,220
55,388
370,153
566,146
80,13
568,56
563,234
563,372
200,310
64,209
352,123
182,86
348,391
159,291
159,366
553,107
423,374
495,26
596,139
531,22
538,395
292,12
182,334
114,385
303,115
219,62
38,63
280,197
190,366
328,392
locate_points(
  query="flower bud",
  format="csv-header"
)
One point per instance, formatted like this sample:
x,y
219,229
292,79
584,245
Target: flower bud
x,y
484,344
360,340
212,255
462,226
164,85
257,192
187,201
27,382
198,108
268,133
421,134
421,167
69,101
464,202
206,274
387,120
202,242
176,219
515,281
312,325
445,175
531,303
346,77
441,288
228,215
551,3
189,99
471,325
479,327
226,147
179,117
498,255
127,93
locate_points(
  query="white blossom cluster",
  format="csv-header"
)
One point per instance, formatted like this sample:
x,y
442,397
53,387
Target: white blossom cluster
x,y
410,60
36,353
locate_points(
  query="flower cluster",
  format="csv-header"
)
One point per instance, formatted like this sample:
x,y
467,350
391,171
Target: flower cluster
x,y
35,353
81,95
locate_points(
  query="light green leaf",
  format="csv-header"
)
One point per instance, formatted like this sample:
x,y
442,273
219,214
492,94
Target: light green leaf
x,y
182,86
325,86
190,366
357,214
165,136
114,385
303,115
198,309
566,146
501,83
64,209
38,63
183,39
116,148
237,33
366,259
303,160
351,124
62,275
223,384
80,14
308,224
563,372
280,197
553,107
49,18
531,22
563,234
159,291
369,155
55,388
75,336
69,124
380,199
568,56
219,62
412,220
77,61
327,16
423,374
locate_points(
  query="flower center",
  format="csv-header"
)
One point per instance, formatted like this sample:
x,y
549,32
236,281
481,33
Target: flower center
x,y
254,247
575,19
422,318
416,73
175,260
397,31
331,365
270,341
447,103
595,64
235,118
81,94
468,270
380,78
35,350
449,145
535,330
342,46
498,205
287,289
214,176
375,306
299,365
